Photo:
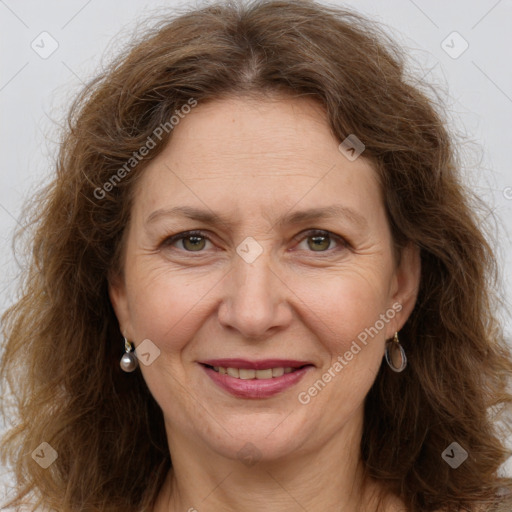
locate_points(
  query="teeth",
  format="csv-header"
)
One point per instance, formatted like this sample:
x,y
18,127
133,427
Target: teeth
x,y
246,374
233,372
263,374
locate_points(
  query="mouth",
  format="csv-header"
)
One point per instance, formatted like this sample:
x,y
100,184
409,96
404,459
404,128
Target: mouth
x,y
262,369
250,373
255,379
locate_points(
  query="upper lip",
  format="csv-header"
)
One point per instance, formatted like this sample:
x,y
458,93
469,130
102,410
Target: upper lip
x,y
263,364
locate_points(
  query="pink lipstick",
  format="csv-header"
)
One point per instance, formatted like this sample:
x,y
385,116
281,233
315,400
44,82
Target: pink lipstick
x,y
255,379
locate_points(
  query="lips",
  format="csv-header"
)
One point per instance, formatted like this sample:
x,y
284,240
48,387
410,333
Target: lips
x,y
255,379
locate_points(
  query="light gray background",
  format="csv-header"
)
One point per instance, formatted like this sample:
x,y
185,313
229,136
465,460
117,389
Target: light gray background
x,y
35,92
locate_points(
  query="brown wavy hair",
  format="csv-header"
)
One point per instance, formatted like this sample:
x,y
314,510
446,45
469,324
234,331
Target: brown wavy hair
x,y
62,340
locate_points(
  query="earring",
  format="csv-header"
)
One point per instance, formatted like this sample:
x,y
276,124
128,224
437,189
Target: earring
x,y
129,361
393,350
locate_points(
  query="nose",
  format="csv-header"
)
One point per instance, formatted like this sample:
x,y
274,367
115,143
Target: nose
x,y
255,299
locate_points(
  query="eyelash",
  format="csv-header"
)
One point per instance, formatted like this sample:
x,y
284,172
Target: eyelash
x,y
307,234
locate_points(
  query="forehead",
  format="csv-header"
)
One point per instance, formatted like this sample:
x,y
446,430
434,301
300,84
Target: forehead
x,y
254,132
267,154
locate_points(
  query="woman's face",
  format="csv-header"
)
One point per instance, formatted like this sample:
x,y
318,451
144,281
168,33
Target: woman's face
x,y
268,279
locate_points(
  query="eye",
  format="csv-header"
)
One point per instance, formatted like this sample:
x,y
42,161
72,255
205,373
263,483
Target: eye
x,y
191,241
319,240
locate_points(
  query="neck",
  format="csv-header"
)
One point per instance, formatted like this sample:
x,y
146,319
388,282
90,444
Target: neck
x,y
205,481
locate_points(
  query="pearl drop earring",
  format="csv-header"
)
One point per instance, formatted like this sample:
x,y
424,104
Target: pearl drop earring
x,y
129,361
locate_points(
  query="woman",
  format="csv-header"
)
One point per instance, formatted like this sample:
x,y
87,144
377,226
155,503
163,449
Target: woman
x,y
258,284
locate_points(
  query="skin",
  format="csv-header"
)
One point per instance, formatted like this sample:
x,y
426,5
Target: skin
x,y
253,161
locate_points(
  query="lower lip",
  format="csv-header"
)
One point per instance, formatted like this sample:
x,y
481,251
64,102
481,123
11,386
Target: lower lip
x,y
256,388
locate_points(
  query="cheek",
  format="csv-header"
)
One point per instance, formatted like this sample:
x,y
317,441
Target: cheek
x,y
357,309
348,322
165,305
346,303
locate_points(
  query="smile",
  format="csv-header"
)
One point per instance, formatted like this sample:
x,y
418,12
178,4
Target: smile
x,y
249,374
256,383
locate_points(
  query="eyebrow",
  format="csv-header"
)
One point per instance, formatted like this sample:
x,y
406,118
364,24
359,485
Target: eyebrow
x,y
297,217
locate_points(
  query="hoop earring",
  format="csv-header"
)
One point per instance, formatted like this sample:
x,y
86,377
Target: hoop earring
x,y
129,361
394,349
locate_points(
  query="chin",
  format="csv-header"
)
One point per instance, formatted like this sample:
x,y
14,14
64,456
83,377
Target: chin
x,y
268,440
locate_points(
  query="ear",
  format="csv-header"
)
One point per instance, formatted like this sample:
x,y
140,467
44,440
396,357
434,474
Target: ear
x,y
119,300
406,283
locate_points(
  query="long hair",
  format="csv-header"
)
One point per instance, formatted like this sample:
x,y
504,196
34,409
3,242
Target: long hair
x,y
62,340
